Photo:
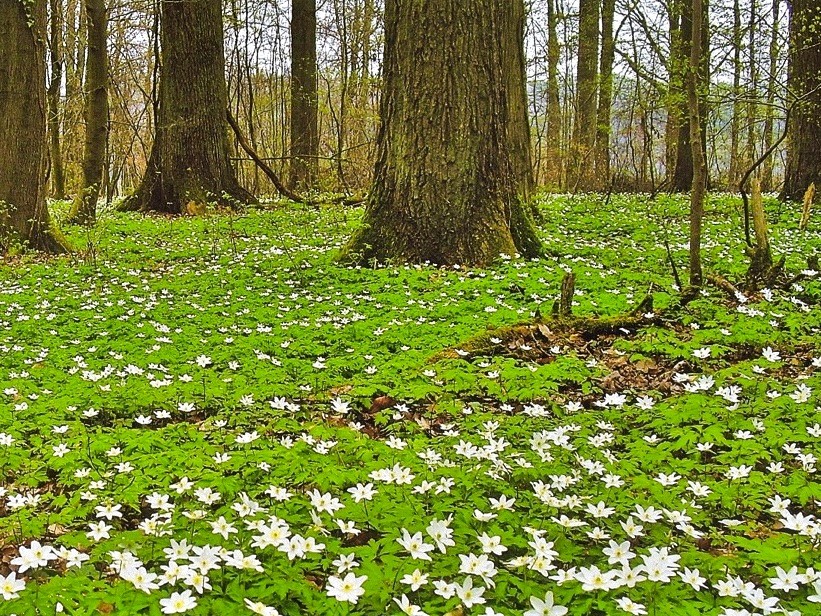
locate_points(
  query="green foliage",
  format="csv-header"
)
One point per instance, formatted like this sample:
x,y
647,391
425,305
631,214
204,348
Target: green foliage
x,y
233,351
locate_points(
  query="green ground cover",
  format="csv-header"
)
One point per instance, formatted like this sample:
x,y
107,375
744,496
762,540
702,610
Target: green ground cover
x,y
212,416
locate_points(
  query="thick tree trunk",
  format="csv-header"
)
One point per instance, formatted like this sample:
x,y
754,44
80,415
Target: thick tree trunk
x,y
608,52
24,218
447,184
55,44
582,155
189,163
304,102
804,145
84,209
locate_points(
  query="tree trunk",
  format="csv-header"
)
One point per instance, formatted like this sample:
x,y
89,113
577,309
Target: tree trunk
x,y
804,145
55,83
769,114
735,124
189,163
608,51
685,165
304,102
554,108
699,185
446,184
24,218
84,209
582,155
515,72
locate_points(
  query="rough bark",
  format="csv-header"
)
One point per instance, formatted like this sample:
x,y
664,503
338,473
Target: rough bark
x,y
55,45
608,52
24,218
804,144
189,163
581,171
84,209
304,101
446,184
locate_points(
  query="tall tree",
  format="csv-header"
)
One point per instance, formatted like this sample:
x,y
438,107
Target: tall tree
x,y
582,154
769,110
694,105
55,83
190,162
446,187
304,102
804,145
554,108
682,179
608,54
84,209
24,217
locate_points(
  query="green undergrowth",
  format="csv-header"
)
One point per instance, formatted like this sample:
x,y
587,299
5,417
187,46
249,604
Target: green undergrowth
x,y
223,381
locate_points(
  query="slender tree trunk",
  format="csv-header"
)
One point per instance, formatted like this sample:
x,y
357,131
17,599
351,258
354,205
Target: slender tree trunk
x,y
582,155
446,184
24,218
769,113
54,85
804,145
554,108
190,164
699,186
515,71
608,51
304,101
752,91
735,124
84,209
685,164
676,97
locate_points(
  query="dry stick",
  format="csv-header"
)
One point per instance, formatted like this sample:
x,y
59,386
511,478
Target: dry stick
x,y
243,142
764,157
805,214
283,190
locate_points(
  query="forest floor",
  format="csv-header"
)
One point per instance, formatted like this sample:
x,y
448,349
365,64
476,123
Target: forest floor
x,y
210,415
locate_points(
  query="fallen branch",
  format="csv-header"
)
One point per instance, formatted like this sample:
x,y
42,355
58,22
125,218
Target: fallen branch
x,y
277,182
809,196
243,142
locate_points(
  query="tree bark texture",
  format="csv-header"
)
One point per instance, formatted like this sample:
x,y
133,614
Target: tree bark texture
x,y
448,174
608,55
684,164
24,218
84,209
55,44
581,171
804,145
304,101
189,162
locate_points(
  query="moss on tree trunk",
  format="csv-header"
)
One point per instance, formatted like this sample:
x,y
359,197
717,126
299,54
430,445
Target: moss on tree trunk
x,y
24,218
451,169
190,160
